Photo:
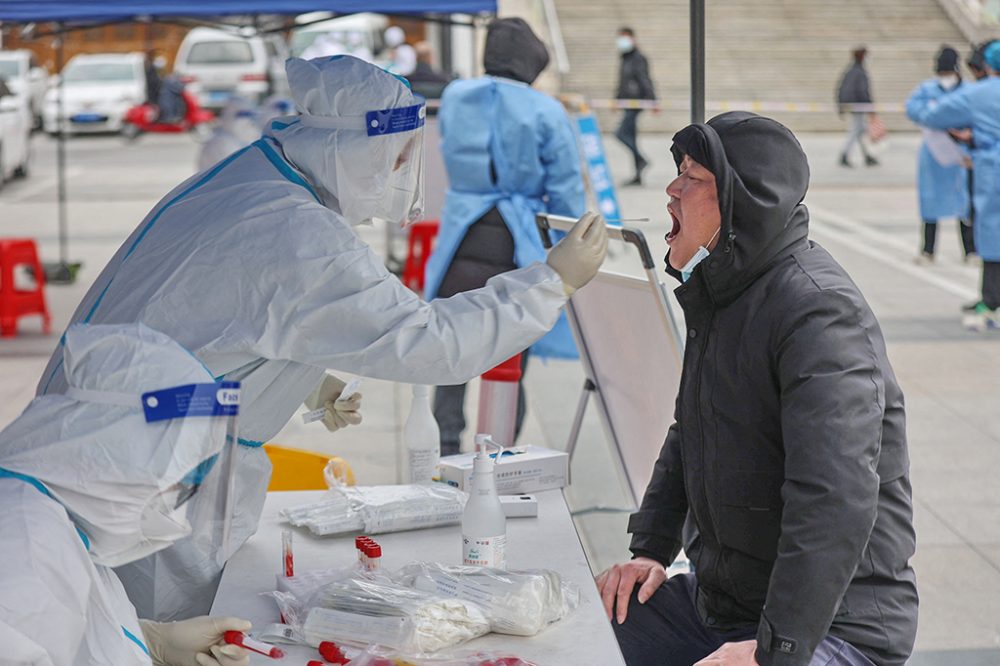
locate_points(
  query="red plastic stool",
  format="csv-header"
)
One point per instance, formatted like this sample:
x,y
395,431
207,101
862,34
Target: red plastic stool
x,y
418,251
498,401
16,303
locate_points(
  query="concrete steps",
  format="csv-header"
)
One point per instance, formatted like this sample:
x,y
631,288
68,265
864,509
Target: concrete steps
x,y
766,50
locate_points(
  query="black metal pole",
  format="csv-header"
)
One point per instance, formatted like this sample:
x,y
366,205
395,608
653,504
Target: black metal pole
x,y
61,153
697,13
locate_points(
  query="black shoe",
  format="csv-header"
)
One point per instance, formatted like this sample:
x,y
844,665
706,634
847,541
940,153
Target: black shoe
x,y
844,162
634,182
870,161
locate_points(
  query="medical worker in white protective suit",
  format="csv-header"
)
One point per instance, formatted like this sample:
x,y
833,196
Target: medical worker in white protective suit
x,y
254,267
238,127
101,476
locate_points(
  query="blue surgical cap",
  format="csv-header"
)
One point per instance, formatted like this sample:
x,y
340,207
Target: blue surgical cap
x,y
992,55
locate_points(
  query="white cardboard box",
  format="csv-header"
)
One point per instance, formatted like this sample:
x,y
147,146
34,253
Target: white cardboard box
x,y
522,469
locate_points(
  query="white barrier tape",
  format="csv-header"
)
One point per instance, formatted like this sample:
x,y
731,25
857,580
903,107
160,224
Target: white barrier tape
x,y
747,105
575,101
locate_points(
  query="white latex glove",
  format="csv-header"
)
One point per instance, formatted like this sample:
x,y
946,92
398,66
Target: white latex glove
x,y
195,642
578,256
340,412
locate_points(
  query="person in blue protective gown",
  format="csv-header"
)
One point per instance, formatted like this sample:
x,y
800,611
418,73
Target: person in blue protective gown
x,y
942,176
510,153
103,475
977,106
254,265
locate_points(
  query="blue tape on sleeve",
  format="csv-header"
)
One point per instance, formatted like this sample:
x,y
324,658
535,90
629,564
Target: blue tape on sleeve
x,y
390,121
218,399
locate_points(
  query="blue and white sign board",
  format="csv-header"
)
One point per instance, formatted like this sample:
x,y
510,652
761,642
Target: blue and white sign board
x,y
597,167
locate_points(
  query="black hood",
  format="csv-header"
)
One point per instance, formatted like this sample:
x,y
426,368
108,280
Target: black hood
x,y
762,175
946,60
513,51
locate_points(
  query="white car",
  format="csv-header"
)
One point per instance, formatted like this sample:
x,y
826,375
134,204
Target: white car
x,y
15,135
216,65
360,35
24,77
97,91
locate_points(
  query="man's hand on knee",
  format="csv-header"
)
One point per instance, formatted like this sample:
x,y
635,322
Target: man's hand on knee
x,y
616,583
732,654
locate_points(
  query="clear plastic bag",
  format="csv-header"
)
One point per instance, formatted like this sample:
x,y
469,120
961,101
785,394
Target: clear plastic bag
x,y
519,603
379,656
371,609
379,509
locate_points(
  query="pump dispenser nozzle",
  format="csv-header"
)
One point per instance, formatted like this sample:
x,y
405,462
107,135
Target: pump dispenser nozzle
x,y
482,441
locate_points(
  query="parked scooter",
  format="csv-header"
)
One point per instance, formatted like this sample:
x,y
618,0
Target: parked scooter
x,y
144,118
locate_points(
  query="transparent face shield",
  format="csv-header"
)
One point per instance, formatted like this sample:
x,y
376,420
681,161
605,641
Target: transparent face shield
x,y
203,430
403,131
384,167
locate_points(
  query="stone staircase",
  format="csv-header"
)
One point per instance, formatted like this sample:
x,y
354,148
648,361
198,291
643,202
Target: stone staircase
x,y
759,50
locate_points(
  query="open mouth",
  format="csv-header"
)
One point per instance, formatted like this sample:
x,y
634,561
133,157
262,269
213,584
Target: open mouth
x,y
675,229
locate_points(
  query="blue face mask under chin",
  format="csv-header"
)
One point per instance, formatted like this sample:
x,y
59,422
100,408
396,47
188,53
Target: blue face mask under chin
x,y
698,257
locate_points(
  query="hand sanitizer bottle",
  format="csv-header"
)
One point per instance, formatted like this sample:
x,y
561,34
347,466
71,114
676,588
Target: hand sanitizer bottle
x,y
422,438
484,525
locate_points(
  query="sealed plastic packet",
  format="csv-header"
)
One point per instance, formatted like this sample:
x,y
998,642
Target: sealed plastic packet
x,y
519,603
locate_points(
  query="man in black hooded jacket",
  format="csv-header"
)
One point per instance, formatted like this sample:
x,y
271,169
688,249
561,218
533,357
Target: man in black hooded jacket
x,y
788,452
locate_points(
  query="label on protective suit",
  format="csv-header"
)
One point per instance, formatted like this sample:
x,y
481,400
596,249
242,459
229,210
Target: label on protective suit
x,y
216,399
391,121
485,551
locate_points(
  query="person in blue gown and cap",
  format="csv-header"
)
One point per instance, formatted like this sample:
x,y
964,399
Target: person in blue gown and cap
x,y
942,176
978,107
510,153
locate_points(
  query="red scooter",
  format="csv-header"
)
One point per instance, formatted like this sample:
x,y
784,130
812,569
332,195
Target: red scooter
x,y
143,118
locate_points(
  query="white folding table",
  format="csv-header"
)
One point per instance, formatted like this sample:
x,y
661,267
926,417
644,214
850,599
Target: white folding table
x,y
548,541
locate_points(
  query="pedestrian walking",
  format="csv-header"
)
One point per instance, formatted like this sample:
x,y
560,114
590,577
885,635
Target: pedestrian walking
x,y
854,89
633,83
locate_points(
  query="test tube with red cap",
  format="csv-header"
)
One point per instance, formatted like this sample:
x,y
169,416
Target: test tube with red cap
x,y
374,556
287,557
332,653
244,641
359,544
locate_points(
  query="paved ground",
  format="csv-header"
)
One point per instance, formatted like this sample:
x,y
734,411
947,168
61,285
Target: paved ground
x,y
866,217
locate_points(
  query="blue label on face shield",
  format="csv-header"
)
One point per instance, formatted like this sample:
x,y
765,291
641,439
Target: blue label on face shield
x,y
218,399
390,121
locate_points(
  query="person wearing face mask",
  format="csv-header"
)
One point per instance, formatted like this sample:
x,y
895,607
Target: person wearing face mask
x,y
634,82
255,267
977,106
788,451
942,177
103,475
238,126
510,153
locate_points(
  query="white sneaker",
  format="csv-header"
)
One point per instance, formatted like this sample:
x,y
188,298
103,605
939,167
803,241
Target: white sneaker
x,y
981,319
924,259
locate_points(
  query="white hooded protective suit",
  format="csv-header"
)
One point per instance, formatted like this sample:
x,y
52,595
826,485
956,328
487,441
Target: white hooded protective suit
x,y
254,267
82,485
238,127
